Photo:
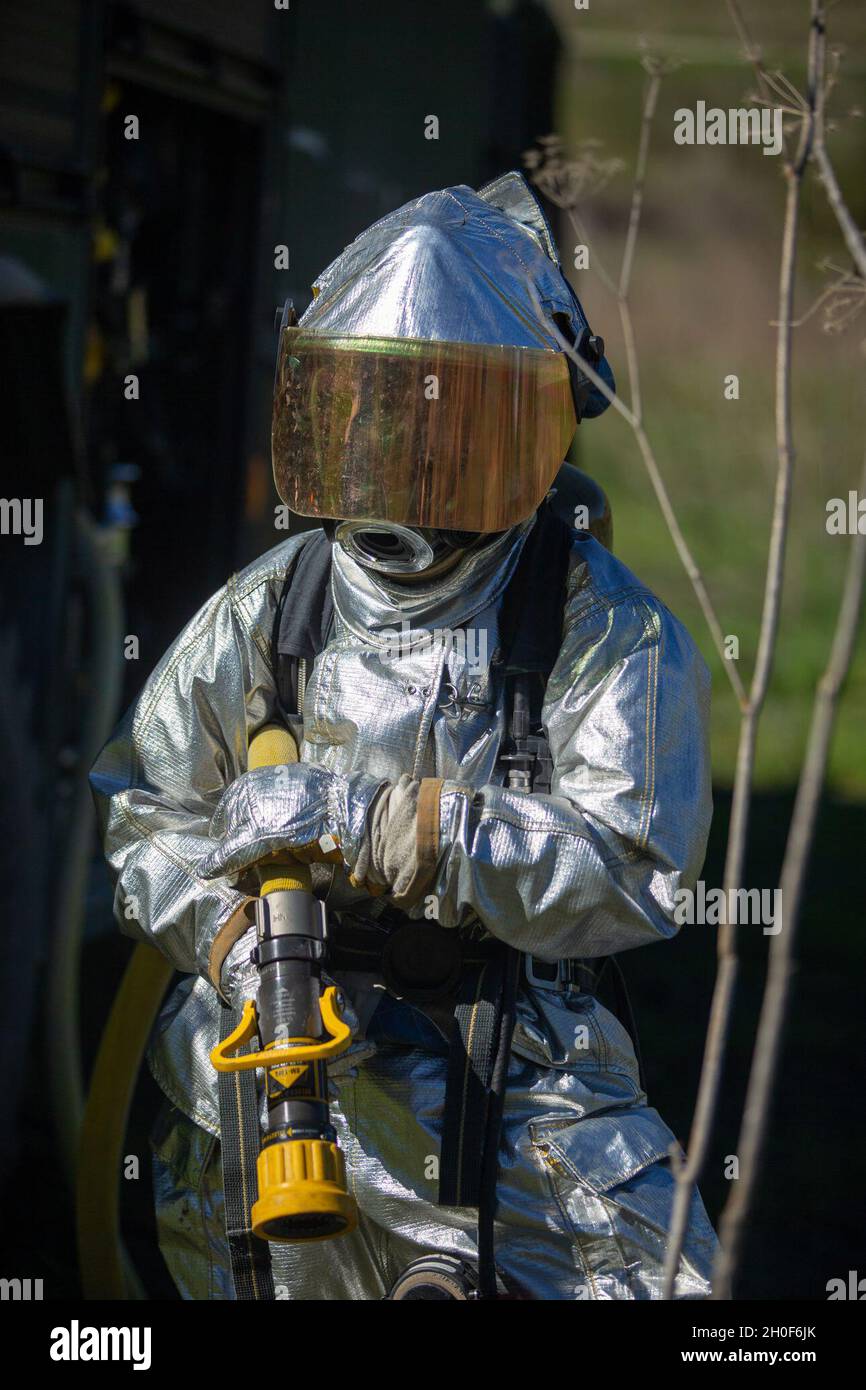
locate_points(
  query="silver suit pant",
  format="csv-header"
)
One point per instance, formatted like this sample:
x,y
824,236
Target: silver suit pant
x,y
583,1201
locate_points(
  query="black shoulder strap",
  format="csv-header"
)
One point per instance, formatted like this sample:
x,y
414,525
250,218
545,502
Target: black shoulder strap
x,y
530,621
301,627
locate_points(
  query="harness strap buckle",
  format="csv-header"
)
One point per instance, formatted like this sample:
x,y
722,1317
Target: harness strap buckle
x,y
557,975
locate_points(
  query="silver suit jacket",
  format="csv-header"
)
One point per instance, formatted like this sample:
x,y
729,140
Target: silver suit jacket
x,y
588,870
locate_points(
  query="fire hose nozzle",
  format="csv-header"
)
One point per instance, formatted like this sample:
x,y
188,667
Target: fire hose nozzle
x,y
301,1173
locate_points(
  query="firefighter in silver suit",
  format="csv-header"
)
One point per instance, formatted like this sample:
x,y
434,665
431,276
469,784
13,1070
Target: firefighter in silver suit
x,y
423,407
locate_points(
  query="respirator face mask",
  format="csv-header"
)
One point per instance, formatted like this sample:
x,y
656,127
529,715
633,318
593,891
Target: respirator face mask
x,y
404,551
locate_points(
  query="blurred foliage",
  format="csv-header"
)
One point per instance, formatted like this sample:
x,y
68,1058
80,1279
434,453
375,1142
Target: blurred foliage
x,y
704,298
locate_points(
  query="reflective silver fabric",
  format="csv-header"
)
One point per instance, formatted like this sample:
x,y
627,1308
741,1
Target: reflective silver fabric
x,y
584,1188
456,266
396,280
584,1197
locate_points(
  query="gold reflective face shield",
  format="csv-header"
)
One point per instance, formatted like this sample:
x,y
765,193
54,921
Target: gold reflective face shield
x,y
456,436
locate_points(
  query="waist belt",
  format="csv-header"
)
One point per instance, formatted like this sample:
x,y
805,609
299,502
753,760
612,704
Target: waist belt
x,y
422,962
467,986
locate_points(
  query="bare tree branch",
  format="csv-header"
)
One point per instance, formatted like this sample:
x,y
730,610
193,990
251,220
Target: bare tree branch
x,y
843,300
753,55
560,188
853,237
709,1085
808,112
658,485
649,110
782,966
851,234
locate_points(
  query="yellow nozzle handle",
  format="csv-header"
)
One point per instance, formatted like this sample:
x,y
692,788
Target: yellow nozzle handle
x,y
338,1041
273,746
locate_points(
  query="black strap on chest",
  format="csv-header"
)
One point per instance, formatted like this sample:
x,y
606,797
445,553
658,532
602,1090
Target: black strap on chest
x,y
530,618
530,635
301,627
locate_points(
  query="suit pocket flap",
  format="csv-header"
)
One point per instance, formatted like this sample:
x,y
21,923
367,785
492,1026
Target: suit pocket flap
x,y
603,1151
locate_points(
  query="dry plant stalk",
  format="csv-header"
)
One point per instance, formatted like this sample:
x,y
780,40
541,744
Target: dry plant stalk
x,y
564,183
563,188
767,1051
782,966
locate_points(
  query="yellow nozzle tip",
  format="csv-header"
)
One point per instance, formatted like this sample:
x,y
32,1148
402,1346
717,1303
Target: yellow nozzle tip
x,y
302,1192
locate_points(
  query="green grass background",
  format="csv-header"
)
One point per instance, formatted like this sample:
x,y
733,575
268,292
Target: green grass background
x,y
704,298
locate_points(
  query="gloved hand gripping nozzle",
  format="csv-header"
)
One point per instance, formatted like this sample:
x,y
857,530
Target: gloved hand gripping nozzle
x,y
302,1192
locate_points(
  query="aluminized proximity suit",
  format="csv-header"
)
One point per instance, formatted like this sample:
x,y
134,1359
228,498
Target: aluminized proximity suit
x,y
585,1189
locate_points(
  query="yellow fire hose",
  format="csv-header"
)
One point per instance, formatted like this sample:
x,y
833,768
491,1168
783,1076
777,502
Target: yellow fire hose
x,y
302,1182
104,1269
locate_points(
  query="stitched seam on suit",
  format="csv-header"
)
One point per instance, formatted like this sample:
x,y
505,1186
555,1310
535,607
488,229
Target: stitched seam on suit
x,y
180,652
229,597
249,625
428,713
507,818
641,1220
598,601
139,729
277,571
651,745
648,792
276,575
639,1167
646,1221
610,1207
607,859
616,1233
152,838
573,1235
324,701
639,838
645,610
208,620
531,827
600,1040
554,1179
192,1112
648,614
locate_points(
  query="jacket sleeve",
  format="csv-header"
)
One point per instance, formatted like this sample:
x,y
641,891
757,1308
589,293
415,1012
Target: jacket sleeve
x,y
593,867
159,778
